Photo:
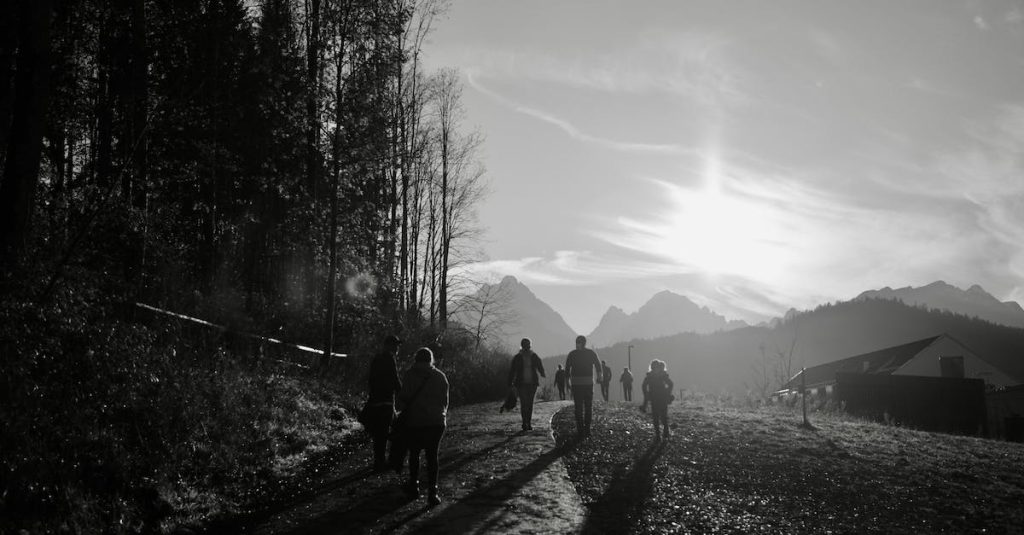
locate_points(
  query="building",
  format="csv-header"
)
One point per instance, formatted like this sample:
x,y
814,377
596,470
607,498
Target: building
x,y
935,383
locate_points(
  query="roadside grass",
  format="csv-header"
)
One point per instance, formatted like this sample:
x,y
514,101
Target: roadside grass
x,y
757,470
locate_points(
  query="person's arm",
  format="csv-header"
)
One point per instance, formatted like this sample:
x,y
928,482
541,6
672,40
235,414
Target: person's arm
x,y
540,365
568,365
598,367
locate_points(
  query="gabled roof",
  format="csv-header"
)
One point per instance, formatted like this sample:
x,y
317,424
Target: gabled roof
x,y
881,362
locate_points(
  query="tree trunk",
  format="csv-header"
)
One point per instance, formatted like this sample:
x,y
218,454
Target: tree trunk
x,y
31,98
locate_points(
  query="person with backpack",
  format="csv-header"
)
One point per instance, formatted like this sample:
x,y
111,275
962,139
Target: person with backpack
x,y
627,384
606,380
580,366
560,382
424,404
657,389
523,376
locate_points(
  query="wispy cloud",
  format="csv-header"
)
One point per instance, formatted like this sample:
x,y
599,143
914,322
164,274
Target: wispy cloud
x,y
688,65
570,129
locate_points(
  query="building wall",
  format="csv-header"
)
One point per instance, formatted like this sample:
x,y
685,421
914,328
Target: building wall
x,y
933,403
926,364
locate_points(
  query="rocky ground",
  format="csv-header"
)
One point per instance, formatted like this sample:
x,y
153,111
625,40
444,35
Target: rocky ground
x,y
723,470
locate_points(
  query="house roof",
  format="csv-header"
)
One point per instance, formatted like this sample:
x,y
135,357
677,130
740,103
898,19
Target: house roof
x,y
881,362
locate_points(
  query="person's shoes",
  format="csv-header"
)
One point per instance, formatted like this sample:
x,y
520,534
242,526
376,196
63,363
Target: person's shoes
x,y
433,500
412,489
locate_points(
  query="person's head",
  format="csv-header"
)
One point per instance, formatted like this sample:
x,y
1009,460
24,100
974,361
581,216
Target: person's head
x,y
392,343
657,365
625,370
559,366
424,354
525,343
581,342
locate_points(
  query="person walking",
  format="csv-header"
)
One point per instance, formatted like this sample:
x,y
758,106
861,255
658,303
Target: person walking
x,y
523,376
606,379
560,382
580,366
383,384
424,404
657,389
627,384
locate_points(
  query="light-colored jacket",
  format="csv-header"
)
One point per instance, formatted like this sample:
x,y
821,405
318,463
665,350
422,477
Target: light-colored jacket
x,y
428,407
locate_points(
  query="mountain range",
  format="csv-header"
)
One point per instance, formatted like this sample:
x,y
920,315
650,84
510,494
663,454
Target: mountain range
x,y
709,353
974,301
665,314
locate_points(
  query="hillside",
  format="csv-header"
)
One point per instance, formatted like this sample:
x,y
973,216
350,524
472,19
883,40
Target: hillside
x,y
730,470
509,311
664,314
974,301
729,360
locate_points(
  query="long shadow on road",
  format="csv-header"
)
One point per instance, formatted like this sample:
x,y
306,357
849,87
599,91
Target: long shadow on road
x,y
485,510
616,510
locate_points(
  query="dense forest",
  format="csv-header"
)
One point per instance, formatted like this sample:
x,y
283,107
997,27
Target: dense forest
x,y
256,157
286,168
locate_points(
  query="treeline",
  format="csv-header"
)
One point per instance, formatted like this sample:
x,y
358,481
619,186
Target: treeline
x,y
246,162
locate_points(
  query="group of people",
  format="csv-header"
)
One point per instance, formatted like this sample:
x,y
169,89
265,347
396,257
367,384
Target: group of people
x,y
420,398
581,367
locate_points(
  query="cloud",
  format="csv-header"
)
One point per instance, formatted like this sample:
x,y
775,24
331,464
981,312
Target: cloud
x,y
570,129
688,65
980,23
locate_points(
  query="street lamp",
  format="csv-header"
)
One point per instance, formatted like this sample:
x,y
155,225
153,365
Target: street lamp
x,y
629,357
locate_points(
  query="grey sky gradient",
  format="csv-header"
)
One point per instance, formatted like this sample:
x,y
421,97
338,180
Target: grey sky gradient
x,y
754,156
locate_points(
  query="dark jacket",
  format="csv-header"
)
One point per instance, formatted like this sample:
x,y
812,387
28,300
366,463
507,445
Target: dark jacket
x,y
515,373
383,382
657,388
560,377
580,366
424,397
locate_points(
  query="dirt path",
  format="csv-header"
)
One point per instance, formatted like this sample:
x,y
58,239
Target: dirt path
x,y
494,479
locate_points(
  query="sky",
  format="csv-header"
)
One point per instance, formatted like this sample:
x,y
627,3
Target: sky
x,y
754,156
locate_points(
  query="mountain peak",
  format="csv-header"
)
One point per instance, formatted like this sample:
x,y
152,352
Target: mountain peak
x,y
974,301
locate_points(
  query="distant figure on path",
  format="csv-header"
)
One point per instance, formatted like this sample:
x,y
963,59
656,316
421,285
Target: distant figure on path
x,y
657,390
606,379
580,366
383,385
523,375
560,382
425,398
627,384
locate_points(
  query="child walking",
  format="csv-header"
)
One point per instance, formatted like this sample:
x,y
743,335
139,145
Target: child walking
x,y
657,389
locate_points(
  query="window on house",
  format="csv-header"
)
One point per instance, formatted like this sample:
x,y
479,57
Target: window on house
x,y
952,367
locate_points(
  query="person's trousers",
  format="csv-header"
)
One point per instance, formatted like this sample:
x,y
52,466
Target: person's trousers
x,y
561,392
424,439
604,391
526,395
380,425
659,412
627,392
583,403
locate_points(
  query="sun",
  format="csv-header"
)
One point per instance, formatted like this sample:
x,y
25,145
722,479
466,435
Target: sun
x,y
721,232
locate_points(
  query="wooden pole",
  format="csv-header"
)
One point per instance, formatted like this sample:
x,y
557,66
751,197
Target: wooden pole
x,y
803,393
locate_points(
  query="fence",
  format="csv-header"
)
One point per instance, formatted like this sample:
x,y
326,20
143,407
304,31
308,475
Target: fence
x,y
260,346
933,403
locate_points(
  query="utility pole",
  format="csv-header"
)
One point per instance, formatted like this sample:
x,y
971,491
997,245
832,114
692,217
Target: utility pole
x,y
629,357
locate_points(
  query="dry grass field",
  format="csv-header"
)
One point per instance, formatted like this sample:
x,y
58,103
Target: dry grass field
x,y
759,471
